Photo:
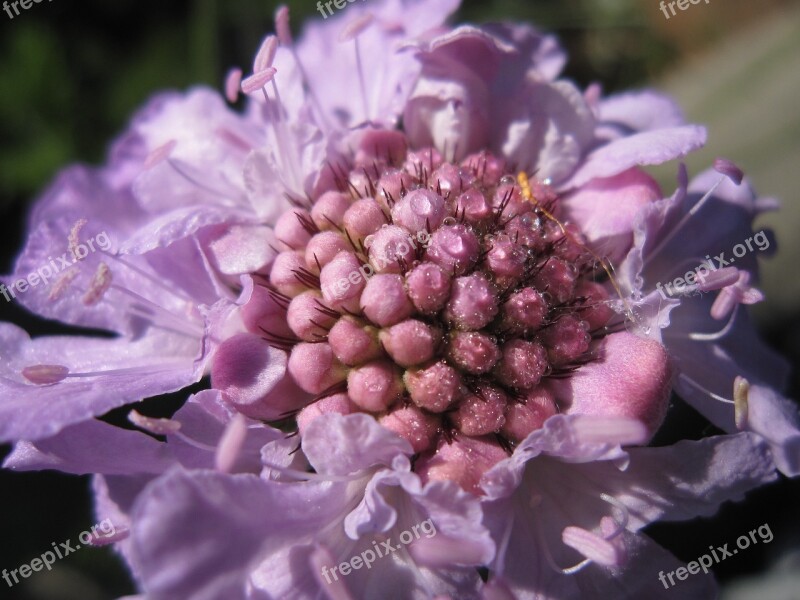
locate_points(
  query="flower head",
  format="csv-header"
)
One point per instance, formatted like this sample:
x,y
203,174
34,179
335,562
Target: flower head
x,y
420,278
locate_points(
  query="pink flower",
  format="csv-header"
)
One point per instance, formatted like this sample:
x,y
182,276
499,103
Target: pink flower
x,y
452,319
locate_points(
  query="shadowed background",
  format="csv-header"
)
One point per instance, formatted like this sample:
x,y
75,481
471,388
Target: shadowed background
x,y
71,74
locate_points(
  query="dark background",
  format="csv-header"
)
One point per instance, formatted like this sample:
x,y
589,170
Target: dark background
x,y
71,73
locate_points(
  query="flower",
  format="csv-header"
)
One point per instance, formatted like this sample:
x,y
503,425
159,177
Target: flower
x,y
400,324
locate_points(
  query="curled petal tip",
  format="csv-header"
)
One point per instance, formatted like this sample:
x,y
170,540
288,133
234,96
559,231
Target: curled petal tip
x,y
729,169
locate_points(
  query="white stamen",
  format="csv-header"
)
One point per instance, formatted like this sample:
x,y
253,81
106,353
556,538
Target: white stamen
x,y
686,218
154,426
696,385
741,392
231,444
711,337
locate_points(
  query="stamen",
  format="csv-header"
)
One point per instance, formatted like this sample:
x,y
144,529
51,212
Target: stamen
x,y
168,320
266,54
351,32
282,25
549,557
45,374
152,425
231,443
62,284
694,384
233,83
50,374
686,218
258,80
711,337
73,238
183,170
161,153
741,391
99,286
592,546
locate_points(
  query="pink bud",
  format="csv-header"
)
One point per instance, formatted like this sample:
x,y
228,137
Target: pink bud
x,y
342,282
384,300
474,352
596,310
464,461
263,314
434,388
419,210
481,412
556,278
428,288
289,228
410,423
354,342
381,146
363,218
455,248
506,261
566,340
472,207
323,248
525,311
284,273
451,179
528,415
509,197
375,386
473,303
391,187
337,403
390,247
526,230
488,169
410,342
428,159
314,367
329,210
309,317
522,365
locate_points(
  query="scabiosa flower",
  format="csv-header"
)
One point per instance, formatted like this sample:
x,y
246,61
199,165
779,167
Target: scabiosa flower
x,y
401,324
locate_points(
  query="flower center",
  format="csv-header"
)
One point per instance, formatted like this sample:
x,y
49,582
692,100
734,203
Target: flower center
x,y
438,297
